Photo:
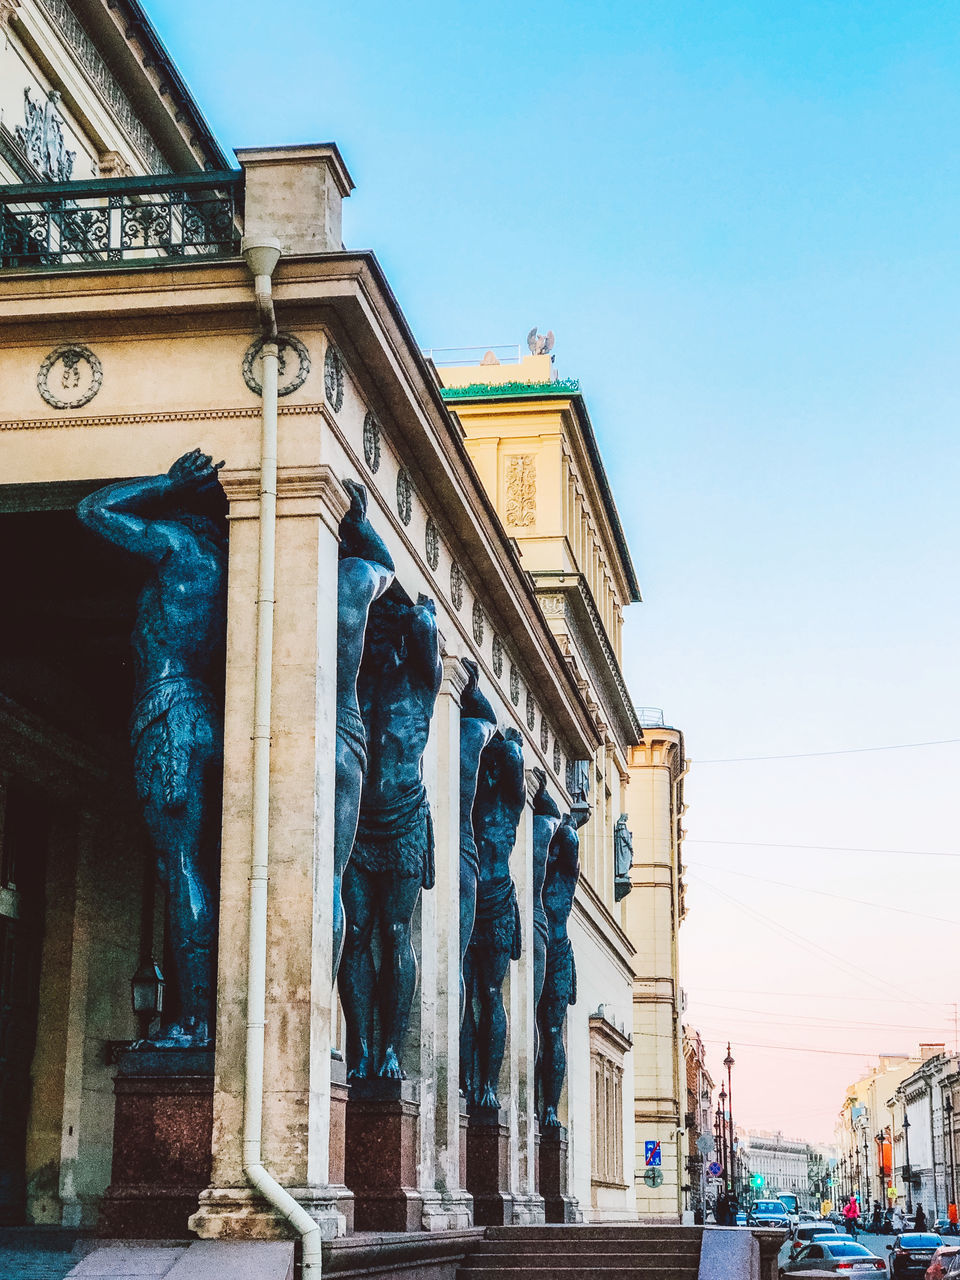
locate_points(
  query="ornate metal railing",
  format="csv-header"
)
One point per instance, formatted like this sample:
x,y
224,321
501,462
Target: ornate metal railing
x,y
120,219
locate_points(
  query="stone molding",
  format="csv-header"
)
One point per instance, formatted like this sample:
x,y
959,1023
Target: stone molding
x,y
137,419
454,676
301,491
8,11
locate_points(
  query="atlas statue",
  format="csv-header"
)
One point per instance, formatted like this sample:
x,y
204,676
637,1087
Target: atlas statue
x,y
176,525
392,858
501,796
478,723
560,979
546,820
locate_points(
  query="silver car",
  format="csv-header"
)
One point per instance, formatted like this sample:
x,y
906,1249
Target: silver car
x,y
843,1257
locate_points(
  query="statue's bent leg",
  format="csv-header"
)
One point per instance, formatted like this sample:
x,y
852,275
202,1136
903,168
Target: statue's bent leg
x,y
468,914
357,977
468,1029
178,764
492,1034
398,970
349,777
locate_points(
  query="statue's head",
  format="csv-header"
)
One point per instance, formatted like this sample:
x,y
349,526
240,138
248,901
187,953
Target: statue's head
x,y
204,510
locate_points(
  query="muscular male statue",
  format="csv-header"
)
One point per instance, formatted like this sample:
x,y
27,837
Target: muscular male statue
x,y
560,981
365,571
176,523
546,820
392,857
478,723
501,795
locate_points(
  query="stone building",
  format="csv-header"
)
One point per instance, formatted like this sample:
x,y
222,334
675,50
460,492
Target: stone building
x,y
868,1130
923,1114
134,327
781,1162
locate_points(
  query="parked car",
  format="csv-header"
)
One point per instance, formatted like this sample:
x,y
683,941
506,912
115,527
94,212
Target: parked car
x,y
912,1252
946,1262
842,1256
768,1213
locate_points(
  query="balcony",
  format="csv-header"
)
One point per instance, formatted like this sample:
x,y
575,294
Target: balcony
x,y
120,220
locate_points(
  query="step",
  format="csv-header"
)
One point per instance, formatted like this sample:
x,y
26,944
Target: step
x,y
633,1231
580,1272
604,1257
559,1248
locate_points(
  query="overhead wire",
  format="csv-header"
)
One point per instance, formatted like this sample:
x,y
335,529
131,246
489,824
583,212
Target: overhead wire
x,y
844,751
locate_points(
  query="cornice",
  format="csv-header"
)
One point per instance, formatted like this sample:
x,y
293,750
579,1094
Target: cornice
x,y
607,1038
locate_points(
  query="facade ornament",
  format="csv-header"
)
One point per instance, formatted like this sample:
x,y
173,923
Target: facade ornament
x,y
622,858
477,622
176,729
112,165
393,853
371,442
514,684
544,733
42,137
404,495
557,757
431,540
497,657
522,490
70,376
500,800
531,711
333,378
456,585
365,570
8,11
293,365
552,606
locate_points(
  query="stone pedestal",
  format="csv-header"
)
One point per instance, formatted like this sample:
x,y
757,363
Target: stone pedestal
x,y
488,1167
162,1142
382,1143
558,1205
339,1098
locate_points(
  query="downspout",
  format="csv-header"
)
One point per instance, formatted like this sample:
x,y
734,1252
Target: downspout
x,y
262,258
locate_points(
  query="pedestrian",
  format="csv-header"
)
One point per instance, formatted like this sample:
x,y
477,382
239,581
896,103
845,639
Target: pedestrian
x,y
876,1221
896,1220
920,1221
721,1209
851,1212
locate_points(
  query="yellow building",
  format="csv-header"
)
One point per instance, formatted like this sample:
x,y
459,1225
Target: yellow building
x,y
532,441
869,1131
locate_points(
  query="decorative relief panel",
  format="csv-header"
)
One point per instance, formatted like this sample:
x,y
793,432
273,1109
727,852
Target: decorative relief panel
x,y
514,684
404,496
497,657
552,606
544,735
70,376
371,442
522,490
432,540
42,139
557,757
456,585
333,378
477,622
531,711
293,365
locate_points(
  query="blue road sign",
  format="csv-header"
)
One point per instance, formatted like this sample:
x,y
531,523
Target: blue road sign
x,y
651,1154
714,1169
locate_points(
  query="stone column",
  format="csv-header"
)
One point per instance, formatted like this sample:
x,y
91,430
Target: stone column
x,y
296,1109
455,1207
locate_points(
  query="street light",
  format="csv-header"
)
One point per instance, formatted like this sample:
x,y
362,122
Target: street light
x,y
948,1108
723,1137
728,1063
906,1147
866,1170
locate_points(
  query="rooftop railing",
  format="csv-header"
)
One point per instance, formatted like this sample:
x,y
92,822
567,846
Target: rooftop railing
x,y
448,357
108,220
650,717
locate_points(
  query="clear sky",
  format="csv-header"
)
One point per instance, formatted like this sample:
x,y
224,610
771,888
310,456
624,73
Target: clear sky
x,y
740,219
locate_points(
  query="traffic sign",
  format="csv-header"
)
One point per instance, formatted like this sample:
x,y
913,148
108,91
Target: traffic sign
x,y
706,1145
714,1169
653,1177
651,1154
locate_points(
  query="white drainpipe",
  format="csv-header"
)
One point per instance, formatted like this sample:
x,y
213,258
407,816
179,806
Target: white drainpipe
x,y
262,258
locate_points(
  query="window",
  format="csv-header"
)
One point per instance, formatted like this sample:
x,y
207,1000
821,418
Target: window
x,y
607,1048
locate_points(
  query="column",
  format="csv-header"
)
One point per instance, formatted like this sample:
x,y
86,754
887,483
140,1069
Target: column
x,y
296,1109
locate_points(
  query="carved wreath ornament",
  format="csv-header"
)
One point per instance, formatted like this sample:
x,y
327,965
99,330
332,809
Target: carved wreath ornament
x,y
333,378
70,376
293,365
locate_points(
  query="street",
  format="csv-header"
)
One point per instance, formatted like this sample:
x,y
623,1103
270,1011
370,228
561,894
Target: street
x,y
876,1244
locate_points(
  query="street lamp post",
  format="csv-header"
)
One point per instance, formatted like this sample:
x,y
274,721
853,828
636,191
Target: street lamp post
x,y
866,1171
906,1149
882,1195
728,1063
722,1125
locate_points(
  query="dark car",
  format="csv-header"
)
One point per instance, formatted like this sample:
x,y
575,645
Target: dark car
x,y
912,1252
768,1213
845,1257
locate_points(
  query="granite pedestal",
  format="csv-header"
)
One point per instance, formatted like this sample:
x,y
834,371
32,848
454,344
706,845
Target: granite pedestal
x,y
558,1205
488,1166
162,1142
380,1165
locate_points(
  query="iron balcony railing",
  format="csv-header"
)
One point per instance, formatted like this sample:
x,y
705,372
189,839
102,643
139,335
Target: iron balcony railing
x,y
105,220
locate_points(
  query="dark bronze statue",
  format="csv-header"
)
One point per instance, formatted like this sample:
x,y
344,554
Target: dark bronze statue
x,y
622,858
365,571
546,820
478,722
392,858
560,981
501,795
176,523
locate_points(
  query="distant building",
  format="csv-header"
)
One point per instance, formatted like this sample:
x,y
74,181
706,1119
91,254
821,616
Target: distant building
x,y
697,1120
928,1099
868,1136
781,1162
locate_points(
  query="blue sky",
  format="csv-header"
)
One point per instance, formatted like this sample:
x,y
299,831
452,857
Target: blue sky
x,y
741,222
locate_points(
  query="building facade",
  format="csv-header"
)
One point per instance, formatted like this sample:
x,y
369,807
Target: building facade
x,y
135,327
923,1108
781,1162
869,1135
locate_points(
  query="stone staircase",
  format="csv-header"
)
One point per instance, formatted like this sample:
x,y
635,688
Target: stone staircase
x,y
619,1251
